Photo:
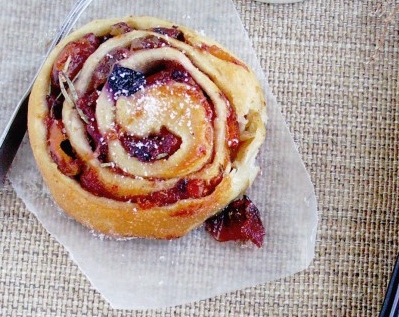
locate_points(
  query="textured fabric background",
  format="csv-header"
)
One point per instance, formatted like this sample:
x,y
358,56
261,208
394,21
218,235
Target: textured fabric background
x,y
344,115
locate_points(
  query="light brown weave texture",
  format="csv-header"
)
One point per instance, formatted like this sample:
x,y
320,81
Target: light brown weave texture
x,y
344,116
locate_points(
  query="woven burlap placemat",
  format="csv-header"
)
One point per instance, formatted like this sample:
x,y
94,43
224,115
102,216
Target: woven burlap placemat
x,y
343,113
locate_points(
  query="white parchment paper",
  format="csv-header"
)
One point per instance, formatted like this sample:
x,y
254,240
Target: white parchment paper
x,y
143,274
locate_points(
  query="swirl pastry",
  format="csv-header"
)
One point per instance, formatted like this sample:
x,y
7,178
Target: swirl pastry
x,y
143,128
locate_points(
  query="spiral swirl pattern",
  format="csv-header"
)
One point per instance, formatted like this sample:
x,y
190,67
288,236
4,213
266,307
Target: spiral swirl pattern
x,y
148,130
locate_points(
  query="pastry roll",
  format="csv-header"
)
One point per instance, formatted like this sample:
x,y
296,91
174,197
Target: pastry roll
x,y
142,128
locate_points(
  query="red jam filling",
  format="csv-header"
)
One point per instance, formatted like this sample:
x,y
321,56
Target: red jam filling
x,y
60,149
120,28
148,42
173,32
148,149
78,51
153,147
170,71
184,189
233,130
239,221
104,67
87,104
221,54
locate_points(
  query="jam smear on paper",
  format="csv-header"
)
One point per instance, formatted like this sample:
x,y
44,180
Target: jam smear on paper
x,y
240,221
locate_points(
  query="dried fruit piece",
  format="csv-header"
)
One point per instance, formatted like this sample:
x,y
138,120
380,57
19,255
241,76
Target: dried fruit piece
x,y
120,28
240,221
75,53
152,148
173,32
125,81
148,42
104,67
87,105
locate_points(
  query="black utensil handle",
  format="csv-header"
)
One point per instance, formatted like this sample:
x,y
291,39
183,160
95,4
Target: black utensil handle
x,y
12,137
390,307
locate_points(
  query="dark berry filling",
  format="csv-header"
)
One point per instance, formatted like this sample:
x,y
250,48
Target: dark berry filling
x,y
153,147
125,81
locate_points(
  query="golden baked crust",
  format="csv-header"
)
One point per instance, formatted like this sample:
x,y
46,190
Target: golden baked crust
x,y
218,76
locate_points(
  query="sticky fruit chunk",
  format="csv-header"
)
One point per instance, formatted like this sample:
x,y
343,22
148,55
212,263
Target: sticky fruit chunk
x,y
72,57
125,81
239,221
173,32
152,148
120,28
104,67
148,42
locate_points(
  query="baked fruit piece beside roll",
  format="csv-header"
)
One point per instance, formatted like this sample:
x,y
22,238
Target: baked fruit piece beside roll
x,y
142,128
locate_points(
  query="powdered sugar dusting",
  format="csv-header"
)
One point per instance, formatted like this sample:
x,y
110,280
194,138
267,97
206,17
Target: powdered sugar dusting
x,y
153,107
